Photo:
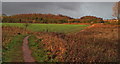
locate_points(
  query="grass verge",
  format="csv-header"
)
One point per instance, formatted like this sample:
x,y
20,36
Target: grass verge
x,y
13,51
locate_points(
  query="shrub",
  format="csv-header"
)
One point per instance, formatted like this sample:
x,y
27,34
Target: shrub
x,y
90,19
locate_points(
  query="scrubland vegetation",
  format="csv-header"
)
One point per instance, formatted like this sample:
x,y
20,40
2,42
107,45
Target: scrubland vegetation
x,y
96,41
13,35
95,44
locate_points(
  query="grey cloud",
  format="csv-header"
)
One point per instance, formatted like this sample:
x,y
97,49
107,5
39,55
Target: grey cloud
x,y
73,9
60,0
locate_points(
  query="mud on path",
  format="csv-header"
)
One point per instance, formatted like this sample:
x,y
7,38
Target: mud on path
x,y
26,51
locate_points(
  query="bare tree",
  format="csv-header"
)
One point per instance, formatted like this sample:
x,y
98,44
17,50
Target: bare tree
x,y
116,10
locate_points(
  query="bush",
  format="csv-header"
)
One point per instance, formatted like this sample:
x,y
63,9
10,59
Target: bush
x,y
91,19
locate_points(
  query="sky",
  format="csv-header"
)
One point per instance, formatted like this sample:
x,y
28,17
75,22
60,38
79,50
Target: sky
x,y
72,9
60,0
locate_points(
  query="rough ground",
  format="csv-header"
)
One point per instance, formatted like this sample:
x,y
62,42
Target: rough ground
x,y
97,43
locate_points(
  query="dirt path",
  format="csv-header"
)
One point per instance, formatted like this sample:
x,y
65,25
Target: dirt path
x,y
26,51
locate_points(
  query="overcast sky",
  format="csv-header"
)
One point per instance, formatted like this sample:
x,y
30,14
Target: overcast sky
x,y
60,0
72,9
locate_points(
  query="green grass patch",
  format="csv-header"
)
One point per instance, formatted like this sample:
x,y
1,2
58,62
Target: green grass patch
x,y
60,28
13,51
38,50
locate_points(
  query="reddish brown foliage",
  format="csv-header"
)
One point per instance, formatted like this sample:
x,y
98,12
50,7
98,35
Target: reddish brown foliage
x,y
53,44
90,19
95,44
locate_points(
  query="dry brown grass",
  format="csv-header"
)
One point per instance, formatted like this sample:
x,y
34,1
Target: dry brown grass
x,y
95,44
53,44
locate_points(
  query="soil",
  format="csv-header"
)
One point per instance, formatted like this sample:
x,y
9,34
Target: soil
x,y
26,51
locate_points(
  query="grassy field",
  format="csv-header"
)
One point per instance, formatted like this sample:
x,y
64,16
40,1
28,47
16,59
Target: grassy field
x,y
59,28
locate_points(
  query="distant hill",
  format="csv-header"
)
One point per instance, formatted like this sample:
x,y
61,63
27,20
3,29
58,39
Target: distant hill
x,y
48,18
4,14
91,19
112,21
87,19
37,18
